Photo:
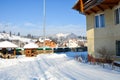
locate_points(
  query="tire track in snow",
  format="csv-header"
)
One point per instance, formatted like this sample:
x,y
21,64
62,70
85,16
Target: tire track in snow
x,y
53,66
44,67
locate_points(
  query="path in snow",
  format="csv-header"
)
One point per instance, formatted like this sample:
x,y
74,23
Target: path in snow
x,y
53,67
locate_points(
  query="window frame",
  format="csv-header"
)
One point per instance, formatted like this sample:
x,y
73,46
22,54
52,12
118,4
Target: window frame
x,y
115,18
117,48
100,23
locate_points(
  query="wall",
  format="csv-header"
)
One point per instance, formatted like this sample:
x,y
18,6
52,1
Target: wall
x,y
90,33
102,37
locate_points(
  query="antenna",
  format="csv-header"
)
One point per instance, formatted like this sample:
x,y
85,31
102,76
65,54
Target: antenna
x,y
44,21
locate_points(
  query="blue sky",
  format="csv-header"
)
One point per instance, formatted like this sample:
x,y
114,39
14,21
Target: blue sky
x,y
26,17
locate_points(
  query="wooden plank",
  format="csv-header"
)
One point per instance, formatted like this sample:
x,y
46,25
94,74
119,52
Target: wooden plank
x,y
81,6
100,7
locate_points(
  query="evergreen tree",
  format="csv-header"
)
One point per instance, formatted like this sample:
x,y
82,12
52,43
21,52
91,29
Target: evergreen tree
x,y
29,36
10,33
18,33
4,31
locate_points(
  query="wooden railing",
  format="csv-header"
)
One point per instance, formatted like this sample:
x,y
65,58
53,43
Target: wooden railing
x,y
91,3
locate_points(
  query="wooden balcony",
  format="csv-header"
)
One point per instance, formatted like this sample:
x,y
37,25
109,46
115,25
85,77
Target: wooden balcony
x,y
93,6
91,3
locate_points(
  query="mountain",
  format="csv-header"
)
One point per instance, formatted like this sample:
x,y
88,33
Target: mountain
x,y
67,35
59,35
71,36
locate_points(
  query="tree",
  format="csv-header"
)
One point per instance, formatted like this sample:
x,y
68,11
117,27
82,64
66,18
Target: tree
x,y
4,31
18,33
29,36
10,33
80,37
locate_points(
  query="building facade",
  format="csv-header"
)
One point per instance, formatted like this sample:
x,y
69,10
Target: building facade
x,y
103,25
48,43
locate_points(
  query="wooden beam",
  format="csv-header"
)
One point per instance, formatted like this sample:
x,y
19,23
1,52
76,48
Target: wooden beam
x,y
87,13
14,53
100,7
93,10
110,7
81,6
108,3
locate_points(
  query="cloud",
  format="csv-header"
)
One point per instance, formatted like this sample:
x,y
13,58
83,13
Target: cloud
x,y
10,27
29,24
37,29
70,28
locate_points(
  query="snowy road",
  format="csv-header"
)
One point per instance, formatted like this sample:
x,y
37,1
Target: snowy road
x,y
53,67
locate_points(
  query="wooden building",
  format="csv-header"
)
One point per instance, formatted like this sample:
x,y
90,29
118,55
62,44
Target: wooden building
x,y
5,53
48,43
30,50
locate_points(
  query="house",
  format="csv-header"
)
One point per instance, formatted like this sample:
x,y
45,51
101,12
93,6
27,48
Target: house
x,y
103,25
48,43
72,43
40,44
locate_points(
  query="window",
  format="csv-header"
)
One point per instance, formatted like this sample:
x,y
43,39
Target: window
x,y
117,48
117,16
99,21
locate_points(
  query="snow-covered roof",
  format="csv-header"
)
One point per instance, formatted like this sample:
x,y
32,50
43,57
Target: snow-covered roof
x,y
31,45
7,44
42,40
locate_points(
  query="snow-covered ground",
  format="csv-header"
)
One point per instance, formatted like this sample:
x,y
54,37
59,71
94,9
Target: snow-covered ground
x,y
53,67
14,37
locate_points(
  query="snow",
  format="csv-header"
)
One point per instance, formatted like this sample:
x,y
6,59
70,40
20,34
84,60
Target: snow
x,y
31,45
53,67
14,37
72,43
62,35
7,44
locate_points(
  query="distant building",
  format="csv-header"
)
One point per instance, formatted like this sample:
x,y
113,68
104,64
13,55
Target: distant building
x,y
72,43
48,43
103,24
